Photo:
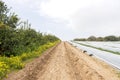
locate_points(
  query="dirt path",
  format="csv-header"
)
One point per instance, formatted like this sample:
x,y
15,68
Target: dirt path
x,y
64,62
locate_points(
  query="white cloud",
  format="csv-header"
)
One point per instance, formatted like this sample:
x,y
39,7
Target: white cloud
x,y
106,15
65,9
85,17
24,3
91,16
18,2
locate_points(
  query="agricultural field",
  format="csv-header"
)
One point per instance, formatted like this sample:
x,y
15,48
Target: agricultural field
x,y
113,47
65,62
109,56
38,48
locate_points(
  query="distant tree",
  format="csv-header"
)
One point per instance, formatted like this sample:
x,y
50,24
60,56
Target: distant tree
x,y
100,39
80,39
91,38
119,38
111,38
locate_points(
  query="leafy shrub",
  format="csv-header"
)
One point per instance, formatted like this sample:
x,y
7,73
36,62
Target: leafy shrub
x,y
19,44
4,69
17,62
37,52
13,62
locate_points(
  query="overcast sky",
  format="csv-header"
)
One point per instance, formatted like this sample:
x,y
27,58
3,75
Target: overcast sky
x,y
69,19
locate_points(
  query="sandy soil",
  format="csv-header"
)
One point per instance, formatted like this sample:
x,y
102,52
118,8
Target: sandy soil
x,y
64,62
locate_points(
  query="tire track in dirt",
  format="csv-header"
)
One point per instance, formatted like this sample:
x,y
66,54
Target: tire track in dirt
x,y
87,67
58,69
63,62
31,69
80,67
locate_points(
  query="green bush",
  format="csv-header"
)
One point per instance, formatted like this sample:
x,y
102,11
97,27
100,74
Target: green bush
x,y
19,44
13,62
17,62
4,69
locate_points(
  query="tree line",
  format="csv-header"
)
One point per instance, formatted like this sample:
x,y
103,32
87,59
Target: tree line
x,y
13,40
93,38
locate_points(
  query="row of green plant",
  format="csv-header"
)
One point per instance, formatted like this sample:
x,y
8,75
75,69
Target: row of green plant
x,y
18,62
16,36
93,38
118,53
14,42
18,42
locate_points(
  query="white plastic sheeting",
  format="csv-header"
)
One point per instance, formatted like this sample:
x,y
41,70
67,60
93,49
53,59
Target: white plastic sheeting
x,y
110,58
113,46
